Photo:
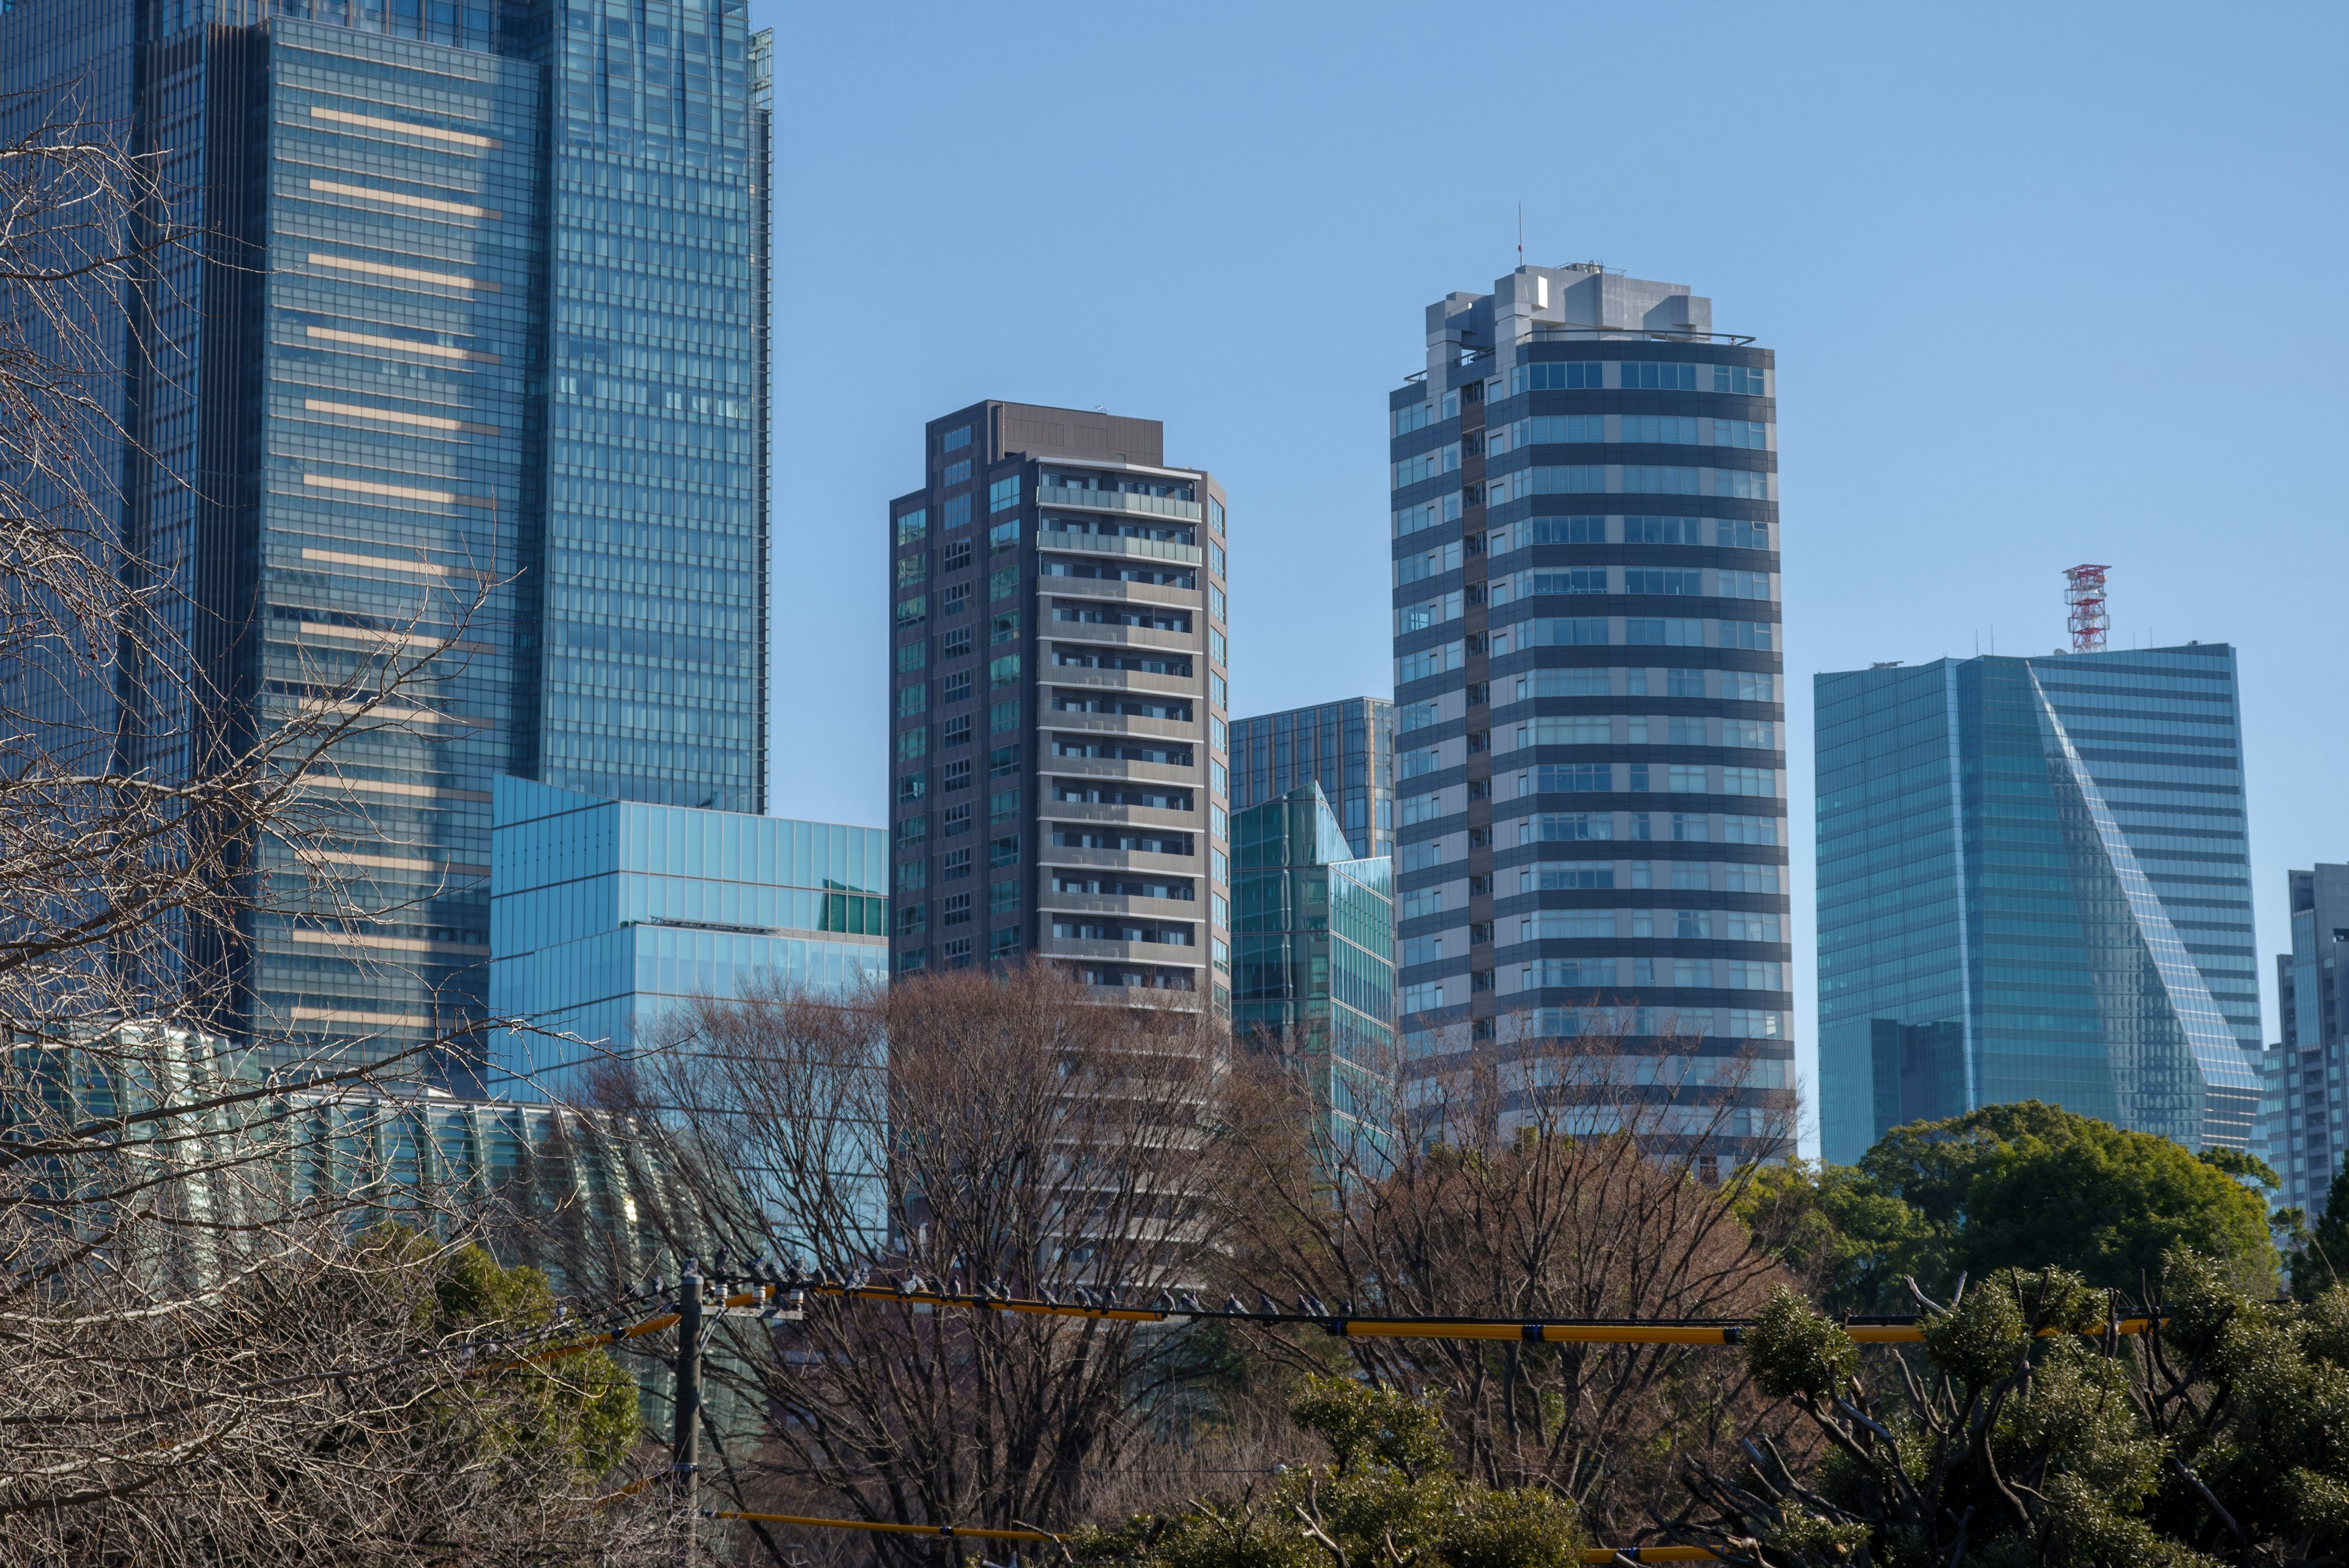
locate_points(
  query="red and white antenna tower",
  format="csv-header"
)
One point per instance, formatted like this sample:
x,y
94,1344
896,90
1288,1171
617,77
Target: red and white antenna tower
x,y
2084,594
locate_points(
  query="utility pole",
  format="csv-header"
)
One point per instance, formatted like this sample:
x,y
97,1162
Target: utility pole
x,y
685,1445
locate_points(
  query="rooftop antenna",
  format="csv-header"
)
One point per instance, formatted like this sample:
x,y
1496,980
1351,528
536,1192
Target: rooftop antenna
x,y
1521,234
2084,595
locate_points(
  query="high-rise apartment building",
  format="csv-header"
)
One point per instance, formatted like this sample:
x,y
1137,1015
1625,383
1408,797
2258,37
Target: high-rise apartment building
x,y
473,350
2307,1106
2034,884
1314,976
1059,741
1590,774
1347,748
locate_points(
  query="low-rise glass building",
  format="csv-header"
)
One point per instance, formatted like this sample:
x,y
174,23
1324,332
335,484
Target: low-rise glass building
x,y
606,915
1314,967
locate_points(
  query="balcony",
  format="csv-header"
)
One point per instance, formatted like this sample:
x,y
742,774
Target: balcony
x,y
1118,501
1107,544
1048,854
1135,637
1184,729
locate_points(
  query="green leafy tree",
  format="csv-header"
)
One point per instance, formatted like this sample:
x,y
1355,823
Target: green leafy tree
x,y
1388,1498
1834,1227
2032,1186
2025,1186
2319,1252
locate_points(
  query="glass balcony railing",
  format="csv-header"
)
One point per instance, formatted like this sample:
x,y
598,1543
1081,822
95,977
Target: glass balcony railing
x,y
1118,501
1110,545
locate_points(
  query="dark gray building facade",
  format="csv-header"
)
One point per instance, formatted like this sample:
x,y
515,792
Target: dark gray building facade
x,y
1345,747
1590,785
1060,743
473,348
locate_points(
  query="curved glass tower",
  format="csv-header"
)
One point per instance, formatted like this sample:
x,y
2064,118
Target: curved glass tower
x,y
1591,803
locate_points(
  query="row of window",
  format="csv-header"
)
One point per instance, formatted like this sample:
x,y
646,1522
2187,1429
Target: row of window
x,y
1635,632
1711,974
1628,375
1629,479
1639,730
956,643
1003,805
1684,827
1685,875
1680,925
1672,429
1002,946
1691,581
1721,532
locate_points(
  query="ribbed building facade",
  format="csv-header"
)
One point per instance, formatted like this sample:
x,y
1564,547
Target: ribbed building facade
x,y
470,357
1590,784
1060,737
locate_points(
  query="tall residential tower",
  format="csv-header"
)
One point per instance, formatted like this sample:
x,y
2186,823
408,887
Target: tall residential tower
x,y
1589,780
473,349
2034,883
1059,744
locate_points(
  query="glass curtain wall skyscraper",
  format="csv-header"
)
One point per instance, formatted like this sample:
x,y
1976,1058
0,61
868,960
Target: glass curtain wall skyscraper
x,y
2034,884
1347,748
2307,1110
1059,750
473,354
1315,965
1590,773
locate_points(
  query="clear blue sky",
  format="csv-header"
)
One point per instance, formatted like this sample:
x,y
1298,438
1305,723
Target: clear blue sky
x,y
2046,285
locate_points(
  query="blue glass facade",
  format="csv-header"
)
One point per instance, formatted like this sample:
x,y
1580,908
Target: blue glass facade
x,y
1313,959
2034,884
608,914
1347,748
2305,1108
474,354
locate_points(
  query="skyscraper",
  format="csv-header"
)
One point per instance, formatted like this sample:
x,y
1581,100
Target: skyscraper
x,y
2307,1130
1315,976
473,350
1347,748
1059,750
1589,779
2034,884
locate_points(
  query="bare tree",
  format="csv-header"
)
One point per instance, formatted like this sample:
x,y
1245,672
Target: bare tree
x,y
978,1133
202,1359
1534,1177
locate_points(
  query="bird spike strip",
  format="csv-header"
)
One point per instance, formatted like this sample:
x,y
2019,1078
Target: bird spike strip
x,y
1577,1331
1572,1331
959,1531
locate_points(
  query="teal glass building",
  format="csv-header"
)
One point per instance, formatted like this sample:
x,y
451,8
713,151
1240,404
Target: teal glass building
x,y
2033,883
1347,747
608,914
1313,975
472,358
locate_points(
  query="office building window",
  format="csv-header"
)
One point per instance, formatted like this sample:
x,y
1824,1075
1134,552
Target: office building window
x,y
1004,851
1003,494
1005,943
956,439
957,511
